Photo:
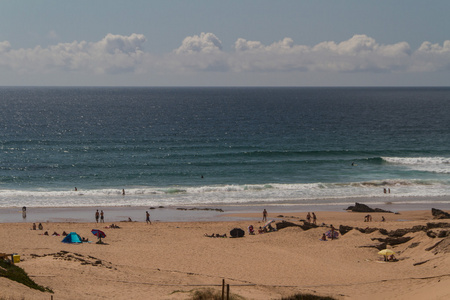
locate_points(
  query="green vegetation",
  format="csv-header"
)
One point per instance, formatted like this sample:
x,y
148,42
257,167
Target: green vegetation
x,y
307,297
211,294
16,273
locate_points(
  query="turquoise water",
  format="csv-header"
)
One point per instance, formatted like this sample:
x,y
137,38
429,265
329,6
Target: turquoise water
x,y
191,146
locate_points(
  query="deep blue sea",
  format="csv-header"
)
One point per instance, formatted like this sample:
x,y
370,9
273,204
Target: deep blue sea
x,y
206,146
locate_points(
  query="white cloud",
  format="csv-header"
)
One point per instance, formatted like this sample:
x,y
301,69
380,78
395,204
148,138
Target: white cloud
x,y
204,43
112,54
115,54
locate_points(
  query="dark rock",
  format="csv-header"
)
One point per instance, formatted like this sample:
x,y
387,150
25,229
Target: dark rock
x,y
392,241
443,234
370,230
431,234
343,229
418,228
438,225
420,263
399,232
434,246
383,231
284,224
439,214
414,245
359,207
307,226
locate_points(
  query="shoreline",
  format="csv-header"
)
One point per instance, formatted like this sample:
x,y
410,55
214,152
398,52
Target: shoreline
x,y
194,213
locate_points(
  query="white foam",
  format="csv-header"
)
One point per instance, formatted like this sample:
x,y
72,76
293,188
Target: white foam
x,y
428,164
312,193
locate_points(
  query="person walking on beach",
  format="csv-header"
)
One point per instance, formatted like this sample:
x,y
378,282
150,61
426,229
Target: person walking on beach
x,y
264,215
97,215
102,217
147,217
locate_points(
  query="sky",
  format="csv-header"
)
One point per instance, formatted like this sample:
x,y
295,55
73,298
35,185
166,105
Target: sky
x,y
224,43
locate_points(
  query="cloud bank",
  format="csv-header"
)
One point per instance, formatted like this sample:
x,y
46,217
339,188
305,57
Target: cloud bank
x,y
118,54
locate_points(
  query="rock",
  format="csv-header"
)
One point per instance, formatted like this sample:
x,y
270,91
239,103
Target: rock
x,y
307,226
359,207
392,241
438,225
399,232
439,214
443,234
431,234
284,224
343,229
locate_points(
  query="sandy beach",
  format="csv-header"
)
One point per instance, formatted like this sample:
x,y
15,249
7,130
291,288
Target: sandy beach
x,y
170,260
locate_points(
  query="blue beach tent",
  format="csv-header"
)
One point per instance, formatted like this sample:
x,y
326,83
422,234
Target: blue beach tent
x,y
71,238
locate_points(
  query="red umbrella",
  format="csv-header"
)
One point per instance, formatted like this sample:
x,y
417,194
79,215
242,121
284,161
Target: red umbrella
x,y
98,233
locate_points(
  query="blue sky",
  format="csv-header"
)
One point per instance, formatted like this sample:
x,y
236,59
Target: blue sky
x,y
225,43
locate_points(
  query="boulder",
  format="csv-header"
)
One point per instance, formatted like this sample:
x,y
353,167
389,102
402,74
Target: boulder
x,y
359,207
439,214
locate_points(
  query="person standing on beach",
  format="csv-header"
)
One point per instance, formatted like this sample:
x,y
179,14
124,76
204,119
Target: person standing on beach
x,y
147,217
102,217
308,217
314,218
264,215
97,215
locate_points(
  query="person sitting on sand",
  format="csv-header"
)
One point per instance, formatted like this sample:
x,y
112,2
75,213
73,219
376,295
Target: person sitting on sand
x,y
324,237
251,230
46,233
260,230
40,226
64,233
34,226
392,258
383,219
55,233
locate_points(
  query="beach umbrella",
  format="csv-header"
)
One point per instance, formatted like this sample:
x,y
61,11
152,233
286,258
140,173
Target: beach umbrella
x,y
268,223
386,252
335,234
98,233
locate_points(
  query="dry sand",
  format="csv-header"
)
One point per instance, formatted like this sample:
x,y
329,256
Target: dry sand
x,y
169,260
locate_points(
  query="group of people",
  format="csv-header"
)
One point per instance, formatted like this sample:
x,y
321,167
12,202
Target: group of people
x,y
368,218
101,216
40,227
313,217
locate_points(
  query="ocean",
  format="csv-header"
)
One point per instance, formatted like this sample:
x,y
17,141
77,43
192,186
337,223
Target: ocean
x,y
330,147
